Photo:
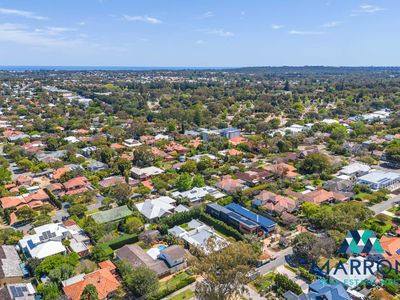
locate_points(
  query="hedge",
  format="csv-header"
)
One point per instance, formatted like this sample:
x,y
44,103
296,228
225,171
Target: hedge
x,y
122,240
307,275
182,217
255,189
53,199
221,226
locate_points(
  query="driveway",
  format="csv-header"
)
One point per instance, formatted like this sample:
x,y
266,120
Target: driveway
x,y
279,261
293,276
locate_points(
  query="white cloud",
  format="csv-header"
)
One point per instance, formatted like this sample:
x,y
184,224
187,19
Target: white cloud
x,y
332,24
221,32
21,13
301,32
276,26
41,38
366,9
199,42
206,15
146,19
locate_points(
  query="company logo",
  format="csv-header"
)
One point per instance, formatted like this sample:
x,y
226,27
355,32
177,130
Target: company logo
x,y
361,241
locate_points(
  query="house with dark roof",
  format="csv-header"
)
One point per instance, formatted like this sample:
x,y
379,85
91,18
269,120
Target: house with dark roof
x,y
10,265
168,260
17,291
319,290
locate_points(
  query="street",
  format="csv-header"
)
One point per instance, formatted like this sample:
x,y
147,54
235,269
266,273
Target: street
x,y
385,205
279,261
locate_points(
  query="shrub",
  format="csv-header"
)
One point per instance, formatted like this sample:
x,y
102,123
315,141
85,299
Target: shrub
x,y
221,226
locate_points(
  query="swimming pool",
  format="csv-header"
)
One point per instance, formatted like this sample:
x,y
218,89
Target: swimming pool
x,y
161,247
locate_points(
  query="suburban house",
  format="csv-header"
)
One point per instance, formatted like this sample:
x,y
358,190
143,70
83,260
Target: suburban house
x,y
111,215
197,234
230,185
162,261
197,194
131,143
381,180
274,203
114,180
286,170
96,166
235,220
319,290
339,185
76,185
243,219
156,208
254,176
48,239
355,170
391,247
10,265
322,196
18,291
144,173
103,280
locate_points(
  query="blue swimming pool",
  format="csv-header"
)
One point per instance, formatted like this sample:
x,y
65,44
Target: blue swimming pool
x,y
160,247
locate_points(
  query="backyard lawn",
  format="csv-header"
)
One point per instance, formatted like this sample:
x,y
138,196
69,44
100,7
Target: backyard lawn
x,y
188,294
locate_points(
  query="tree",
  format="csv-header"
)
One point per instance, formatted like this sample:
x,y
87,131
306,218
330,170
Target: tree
x,y
184,182
133,225
25,164
99,253
9,236
284,284
122,192
392,152
141,281
5,175
50,291
89,293
77,210
123,166
303,244
105,154
315,163
143,157
198,181
61,273
189,167
25,214
339,133
225,272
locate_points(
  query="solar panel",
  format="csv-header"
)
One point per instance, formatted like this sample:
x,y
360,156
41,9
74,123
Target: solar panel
x,y
24,289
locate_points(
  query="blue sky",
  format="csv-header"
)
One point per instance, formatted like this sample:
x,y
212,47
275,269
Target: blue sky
x,y
199,33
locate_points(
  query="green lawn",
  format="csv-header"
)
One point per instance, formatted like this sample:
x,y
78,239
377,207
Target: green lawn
x,y
264,282
188,294
380,227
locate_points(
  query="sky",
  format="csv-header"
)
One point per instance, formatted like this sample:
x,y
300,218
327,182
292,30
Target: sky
x,y
207,33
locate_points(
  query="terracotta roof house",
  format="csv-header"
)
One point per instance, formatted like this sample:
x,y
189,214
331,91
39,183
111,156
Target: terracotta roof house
x,y
159,153
230,185
76,185
254,176
275,203
176,148
289,171
103,280
24,180
391,246
237,140
114,180
33,200
117,146
323,196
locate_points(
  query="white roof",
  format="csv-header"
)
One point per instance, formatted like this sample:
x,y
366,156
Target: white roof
x,y
156,208
153,252
380,177
198,193
47,249
355,168
149,171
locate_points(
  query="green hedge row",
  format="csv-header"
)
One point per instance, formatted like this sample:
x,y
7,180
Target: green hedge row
x,y
122,240
221,226
53,199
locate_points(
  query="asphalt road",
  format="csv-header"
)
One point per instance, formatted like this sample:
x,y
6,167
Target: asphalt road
x,y
279,261
385,205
